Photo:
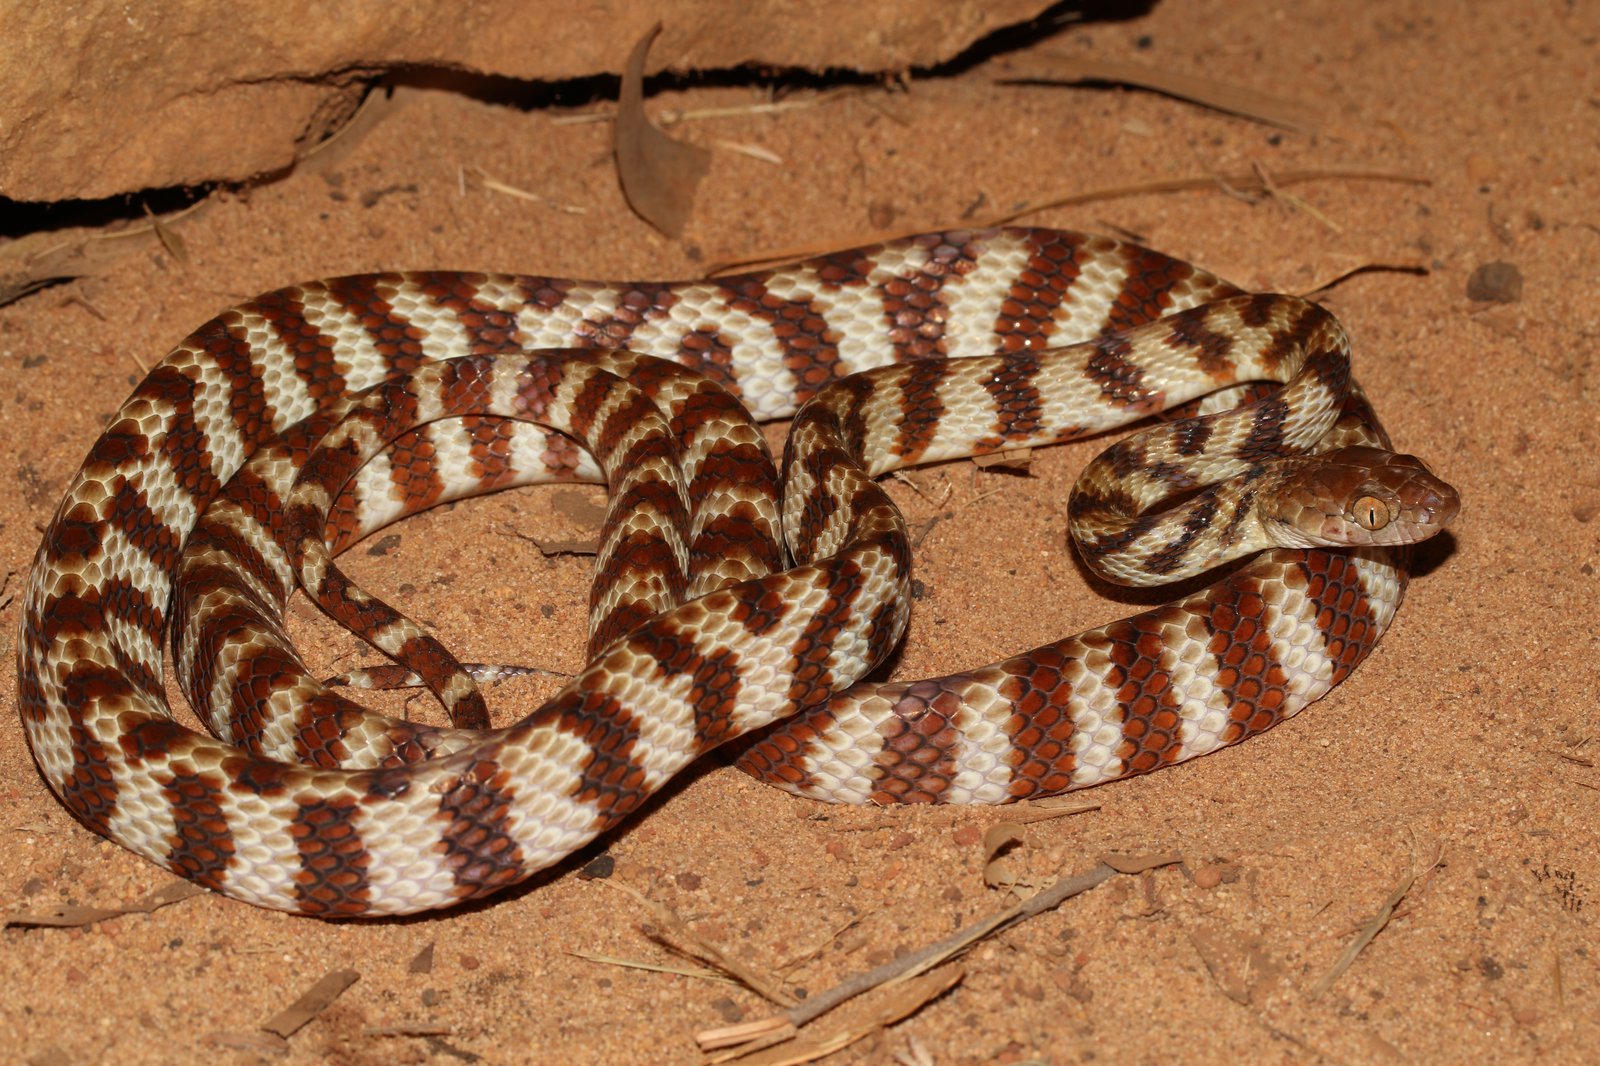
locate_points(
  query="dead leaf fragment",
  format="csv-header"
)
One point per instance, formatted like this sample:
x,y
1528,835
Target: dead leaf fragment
x,y
659,175
996,841
73,916
168,237
316,999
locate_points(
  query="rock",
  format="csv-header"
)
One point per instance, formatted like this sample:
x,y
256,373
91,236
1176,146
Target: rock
x,y
103,98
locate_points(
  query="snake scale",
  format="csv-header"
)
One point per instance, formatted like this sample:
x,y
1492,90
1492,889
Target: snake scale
x,y
291,425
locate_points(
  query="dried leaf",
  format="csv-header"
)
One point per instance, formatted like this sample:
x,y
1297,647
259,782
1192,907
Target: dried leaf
x,y
72,916
1138,864
998,839
659,175
1000,836
168,237
578,508
1372,928
316,999
258,1043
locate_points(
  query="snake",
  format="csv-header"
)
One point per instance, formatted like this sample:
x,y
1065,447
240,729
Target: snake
x,y
293,424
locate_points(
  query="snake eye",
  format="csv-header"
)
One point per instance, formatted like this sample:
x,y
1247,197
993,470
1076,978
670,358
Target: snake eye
x,y
1370,513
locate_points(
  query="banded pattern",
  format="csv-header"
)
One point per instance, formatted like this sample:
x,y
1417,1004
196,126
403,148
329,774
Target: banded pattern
x,y
391,817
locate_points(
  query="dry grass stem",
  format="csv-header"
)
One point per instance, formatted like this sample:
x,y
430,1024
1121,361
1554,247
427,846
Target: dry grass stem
x,y
473,176
754,151
686,941
901,1000
1239,182
700,974
1372,929
1208,92
673,116
921,961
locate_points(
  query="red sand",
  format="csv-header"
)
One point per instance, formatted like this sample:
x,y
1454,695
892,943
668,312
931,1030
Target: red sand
x,y
1469,733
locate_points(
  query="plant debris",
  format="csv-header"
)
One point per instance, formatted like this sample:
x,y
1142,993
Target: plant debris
x,y
1208,92
73,916
751,1036
311,1003
1372,928
659,175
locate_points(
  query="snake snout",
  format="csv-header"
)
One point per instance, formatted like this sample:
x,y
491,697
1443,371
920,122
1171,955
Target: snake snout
x,y
1428,503
1434,503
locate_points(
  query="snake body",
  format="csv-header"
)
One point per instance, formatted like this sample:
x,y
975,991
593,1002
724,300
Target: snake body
x,y
326,401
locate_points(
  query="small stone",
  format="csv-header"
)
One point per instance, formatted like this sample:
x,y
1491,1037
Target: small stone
x,y
598,868
385,545
1498,282
1208,877
967,835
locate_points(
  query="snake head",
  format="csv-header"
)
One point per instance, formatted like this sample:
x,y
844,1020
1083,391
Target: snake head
x,y
1360,497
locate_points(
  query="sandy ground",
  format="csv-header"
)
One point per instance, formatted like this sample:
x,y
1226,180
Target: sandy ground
x,y
1468,737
